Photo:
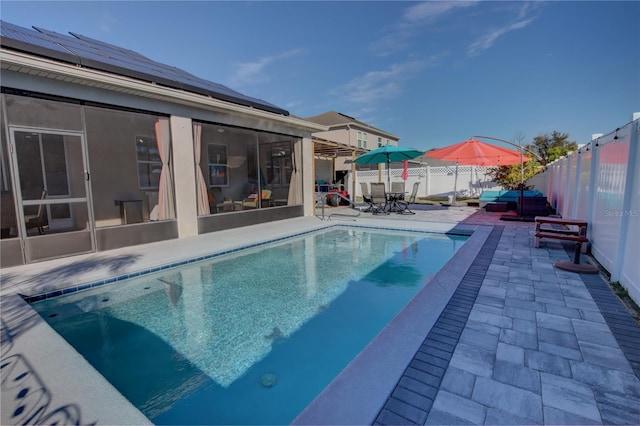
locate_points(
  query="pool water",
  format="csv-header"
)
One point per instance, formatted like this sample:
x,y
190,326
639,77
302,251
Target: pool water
x,y
251,337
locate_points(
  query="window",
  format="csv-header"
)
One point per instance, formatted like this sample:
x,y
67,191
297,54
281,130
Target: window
x,y
149,163
218,165
379,141
362,140
279,164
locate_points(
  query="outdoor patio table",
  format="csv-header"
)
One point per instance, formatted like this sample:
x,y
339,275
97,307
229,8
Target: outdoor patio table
x,y
392,200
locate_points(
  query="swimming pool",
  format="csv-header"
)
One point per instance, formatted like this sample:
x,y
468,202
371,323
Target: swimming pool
x,y
251,337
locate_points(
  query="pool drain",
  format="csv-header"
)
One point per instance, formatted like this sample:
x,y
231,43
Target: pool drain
x,y
269,380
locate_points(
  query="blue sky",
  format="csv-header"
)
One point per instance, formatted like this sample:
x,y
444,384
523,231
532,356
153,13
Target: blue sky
x,y
432,73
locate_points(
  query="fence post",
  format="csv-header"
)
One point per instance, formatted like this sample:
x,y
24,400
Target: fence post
x,y
427,180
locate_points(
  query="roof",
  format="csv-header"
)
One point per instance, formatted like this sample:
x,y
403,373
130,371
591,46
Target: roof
x,y
94,54
337,119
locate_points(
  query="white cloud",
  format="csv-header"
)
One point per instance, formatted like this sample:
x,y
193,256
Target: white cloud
x,y
485,42
293,104
256,72
106,22
376,86
431,10
414,19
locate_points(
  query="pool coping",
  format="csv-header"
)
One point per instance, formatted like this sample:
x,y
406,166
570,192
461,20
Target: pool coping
x,y
56,384
358,393
416,390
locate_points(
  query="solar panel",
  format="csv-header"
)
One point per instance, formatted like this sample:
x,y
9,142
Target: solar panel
x,y
25,39
95,54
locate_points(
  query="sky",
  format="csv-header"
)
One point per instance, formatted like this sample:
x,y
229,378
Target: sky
x,y
432,73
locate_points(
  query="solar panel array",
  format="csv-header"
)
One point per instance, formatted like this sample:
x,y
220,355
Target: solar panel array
x,y
87,52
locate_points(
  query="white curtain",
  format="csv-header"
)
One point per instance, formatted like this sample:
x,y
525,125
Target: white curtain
x,y
294,184
201,186
166,208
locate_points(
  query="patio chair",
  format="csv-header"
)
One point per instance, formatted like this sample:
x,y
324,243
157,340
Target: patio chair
x,y
366,196
378,198
398,188
252,202
403,206
40,219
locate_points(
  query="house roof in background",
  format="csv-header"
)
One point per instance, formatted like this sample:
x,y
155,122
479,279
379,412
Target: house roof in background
x,y
89,53
337,119
433,162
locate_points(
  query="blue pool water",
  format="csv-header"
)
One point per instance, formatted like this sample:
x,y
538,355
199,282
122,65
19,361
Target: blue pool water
x,y
251,337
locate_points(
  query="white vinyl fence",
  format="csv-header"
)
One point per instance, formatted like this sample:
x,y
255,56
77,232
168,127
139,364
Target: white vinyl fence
x,y
434,181
601,184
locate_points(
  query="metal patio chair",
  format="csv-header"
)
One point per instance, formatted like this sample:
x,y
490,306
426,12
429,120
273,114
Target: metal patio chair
x,y
398,188
366,196
378,198
403,205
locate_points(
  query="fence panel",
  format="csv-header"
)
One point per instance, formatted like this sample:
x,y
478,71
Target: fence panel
x,y
630,271
561,185
435,181
611,171
583,194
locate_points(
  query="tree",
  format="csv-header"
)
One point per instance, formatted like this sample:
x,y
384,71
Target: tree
x,y
551,147
547,148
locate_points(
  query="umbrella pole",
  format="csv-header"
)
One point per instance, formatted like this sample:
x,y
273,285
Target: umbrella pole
x,y
520,204
388,174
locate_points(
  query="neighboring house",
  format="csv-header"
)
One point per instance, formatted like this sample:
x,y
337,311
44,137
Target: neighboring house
x,y
102,148
352,133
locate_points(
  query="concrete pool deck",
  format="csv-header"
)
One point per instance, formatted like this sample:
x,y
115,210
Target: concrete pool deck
x,y
533,345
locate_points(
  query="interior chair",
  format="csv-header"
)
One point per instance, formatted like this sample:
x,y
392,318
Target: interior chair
x,y
281,196
40,219
403,205
218,203
252,201
378,198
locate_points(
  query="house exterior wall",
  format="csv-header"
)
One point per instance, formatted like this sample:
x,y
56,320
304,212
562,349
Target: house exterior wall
x,y
81,86
341,135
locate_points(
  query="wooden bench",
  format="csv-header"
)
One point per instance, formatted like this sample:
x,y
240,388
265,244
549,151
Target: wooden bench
x,y
561,229
566,230
560,236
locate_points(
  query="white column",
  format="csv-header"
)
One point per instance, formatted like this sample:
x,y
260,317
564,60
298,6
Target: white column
x,y
184,176
308,180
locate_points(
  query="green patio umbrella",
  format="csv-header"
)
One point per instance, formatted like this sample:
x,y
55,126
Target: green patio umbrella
x,y
388,154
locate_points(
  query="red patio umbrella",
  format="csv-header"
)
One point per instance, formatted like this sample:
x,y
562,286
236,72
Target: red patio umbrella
x,y
473,152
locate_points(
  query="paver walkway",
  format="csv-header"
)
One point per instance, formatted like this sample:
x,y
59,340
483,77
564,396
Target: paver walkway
x,y
533,347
